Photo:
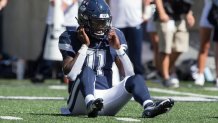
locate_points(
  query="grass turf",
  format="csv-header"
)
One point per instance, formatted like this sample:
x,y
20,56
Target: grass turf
x,y
48,110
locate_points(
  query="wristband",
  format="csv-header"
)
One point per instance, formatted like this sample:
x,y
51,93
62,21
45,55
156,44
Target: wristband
x,y
120,52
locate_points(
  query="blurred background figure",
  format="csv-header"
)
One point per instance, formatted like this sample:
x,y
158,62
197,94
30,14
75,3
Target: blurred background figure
x,y
174,36
206,29
153,66
151,29
6,61
128,17
61,16
3,3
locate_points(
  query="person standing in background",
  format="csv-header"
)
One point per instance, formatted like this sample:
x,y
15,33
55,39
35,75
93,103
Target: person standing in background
x,y
128,17
3,3
150,9
206,29
174,35
69,10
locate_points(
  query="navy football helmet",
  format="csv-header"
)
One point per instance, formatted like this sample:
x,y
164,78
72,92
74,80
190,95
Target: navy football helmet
x,y
95,17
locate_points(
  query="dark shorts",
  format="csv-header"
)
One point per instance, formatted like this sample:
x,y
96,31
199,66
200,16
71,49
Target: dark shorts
x,y
215,35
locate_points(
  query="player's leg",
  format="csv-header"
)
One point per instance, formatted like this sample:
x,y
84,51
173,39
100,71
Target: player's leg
x,y
114,98
84,87
87,78
137,87
75,103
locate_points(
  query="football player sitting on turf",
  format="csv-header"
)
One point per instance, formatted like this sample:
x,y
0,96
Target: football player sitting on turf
x,y
88,54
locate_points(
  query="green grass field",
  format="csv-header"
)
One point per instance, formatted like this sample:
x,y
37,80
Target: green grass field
x,y
47,111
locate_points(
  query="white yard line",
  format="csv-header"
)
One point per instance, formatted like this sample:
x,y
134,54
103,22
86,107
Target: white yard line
x,y
58,87
211,88
127,119
179,96
31,98
181,93
10,118
176,98
185,99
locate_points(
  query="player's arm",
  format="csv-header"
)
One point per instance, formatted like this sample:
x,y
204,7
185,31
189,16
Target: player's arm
x,y
72,66
124,63
120,66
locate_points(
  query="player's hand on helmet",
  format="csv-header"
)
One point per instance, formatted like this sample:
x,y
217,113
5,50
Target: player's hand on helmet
x,y
113,39
83,37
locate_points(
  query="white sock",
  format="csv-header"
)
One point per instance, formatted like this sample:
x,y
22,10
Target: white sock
x,y
146,102
88,98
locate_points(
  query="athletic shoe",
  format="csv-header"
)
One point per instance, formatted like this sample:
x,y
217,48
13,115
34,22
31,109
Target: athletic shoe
x,y
194,72
38,78
174,78
94,106
199,79
158,108
170,84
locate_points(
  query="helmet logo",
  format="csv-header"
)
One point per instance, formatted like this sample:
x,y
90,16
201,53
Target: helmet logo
x,y
82,8
104,16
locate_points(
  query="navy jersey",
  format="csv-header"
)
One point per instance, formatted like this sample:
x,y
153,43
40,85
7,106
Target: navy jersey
x,y
100,56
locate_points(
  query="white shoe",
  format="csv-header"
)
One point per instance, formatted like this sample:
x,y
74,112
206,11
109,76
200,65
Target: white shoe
x,y
194,72
199,80
170,83
174,79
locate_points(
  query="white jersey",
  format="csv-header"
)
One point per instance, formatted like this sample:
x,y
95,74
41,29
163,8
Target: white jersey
x,y
69,14
50,15
126,13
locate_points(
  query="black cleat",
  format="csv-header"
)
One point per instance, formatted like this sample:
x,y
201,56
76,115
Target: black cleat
x,y
94,107
158,108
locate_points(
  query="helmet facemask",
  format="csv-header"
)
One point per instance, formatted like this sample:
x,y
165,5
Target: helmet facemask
x,y
99,28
